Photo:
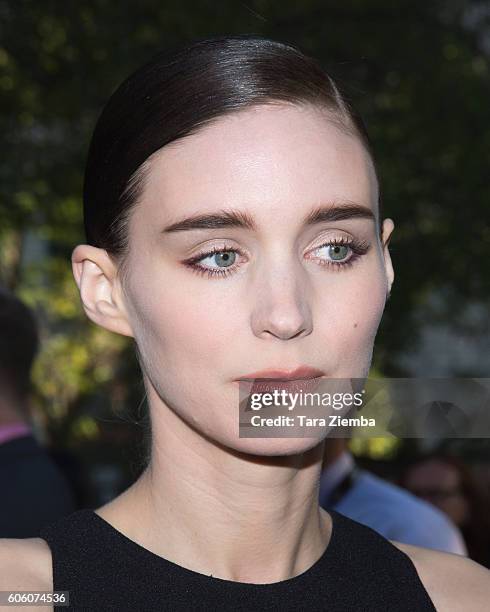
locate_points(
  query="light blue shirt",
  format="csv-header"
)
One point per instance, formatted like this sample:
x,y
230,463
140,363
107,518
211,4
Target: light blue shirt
x,y
390,510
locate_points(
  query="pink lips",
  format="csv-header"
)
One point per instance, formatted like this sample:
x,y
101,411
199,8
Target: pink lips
x,y
303,378
300,373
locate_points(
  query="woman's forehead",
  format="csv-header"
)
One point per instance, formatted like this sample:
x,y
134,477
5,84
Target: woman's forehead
x,y
276,155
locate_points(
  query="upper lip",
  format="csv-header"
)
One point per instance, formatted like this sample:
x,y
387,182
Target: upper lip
x,y
300,373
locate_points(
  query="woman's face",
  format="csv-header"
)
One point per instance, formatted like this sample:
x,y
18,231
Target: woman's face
x,y
278,298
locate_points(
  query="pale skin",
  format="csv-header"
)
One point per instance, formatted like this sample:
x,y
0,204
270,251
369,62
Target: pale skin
x,y
240,508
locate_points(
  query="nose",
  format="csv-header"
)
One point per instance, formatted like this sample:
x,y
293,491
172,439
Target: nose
x,y
282,309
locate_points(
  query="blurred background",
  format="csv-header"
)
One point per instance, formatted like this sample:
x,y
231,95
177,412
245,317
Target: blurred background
x,y
418,72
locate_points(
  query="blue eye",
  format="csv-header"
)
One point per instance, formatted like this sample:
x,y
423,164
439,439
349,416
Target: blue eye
x,y
337,252
224,259
341,253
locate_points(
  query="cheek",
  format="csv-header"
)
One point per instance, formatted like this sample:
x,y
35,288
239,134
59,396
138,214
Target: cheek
x,y
350,321
366,305
198,329
180,326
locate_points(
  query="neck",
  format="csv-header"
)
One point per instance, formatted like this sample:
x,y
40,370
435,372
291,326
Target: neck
x,y
220,512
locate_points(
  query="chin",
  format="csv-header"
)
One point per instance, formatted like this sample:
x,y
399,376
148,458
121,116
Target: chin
x,y
273,447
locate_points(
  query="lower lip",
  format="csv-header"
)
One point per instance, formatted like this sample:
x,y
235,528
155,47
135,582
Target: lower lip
x,y
307,385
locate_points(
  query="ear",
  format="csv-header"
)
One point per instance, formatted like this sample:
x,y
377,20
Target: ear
x,y
388,227
100,289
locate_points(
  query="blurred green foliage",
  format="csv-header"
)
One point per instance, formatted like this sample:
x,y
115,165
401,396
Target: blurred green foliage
x,y
417,71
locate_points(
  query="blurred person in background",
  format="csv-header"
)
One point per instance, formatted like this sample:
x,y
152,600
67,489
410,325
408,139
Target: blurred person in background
x,y
382,505
448,484
34,491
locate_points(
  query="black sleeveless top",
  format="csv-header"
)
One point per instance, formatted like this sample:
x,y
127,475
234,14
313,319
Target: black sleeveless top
x,y
359,571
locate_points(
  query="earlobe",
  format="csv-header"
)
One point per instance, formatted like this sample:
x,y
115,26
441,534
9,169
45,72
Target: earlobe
x,y
388,227
95,275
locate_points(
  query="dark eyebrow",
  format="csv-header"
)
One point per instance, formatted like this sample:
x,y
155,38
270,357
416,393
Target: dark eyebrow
x,y
339,212
238,219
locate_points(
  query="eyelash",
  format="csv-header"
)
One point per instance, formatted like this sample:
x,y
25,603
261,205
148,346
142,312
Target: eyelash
x,y
358,248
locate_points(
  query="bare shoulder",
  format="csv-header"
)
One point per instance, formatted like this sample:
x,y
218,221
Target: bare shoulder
x,y
25,565
452,581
